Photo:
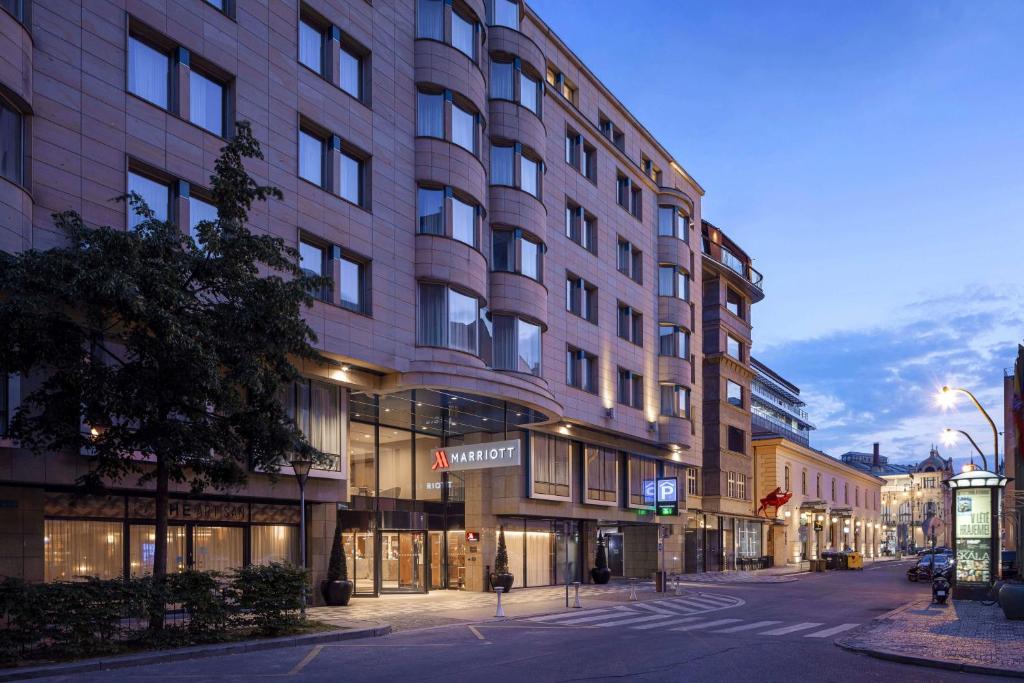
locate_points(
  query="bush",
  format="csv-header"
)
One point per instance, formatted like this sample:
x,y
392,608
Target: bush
x,y
273,595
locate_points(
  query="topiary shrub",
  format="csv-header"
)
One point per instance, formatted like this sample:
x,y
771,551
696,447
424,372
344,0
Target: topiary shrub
x,y
501,557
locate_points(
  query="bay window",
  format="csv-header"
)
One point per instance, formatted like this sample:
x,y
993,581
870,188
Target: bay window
x,y
447,318
463,221
529,93
643,475
672,222
673,341
463,32
503,13
430,114
529,174
503,171
516,252
517,344
675,400
551,468
734,393
430,19
464,128
430,211
673,281
464,35
12,142
432,205
503,81
733,347
602,475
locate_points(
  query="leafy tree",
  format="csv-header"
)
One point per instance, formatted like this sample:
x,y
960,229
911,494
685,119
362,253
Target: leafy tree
x,y
157,354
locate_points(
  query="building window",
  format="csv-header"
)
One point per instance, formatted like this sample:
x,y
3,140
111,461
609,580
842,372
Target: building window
x,y
515,252
733,347
464,221
464,34
353,178
316,409
672,222
503,81
602,475
464,128
430,114
155,194
199,211
529,93
529,173
786,475
15,7
448,318
430,23
741,486
149,72
517,345
430,211
431,205
734,393
856,494
206,103
581,227
833,490
673,341
631,389
631,324
503,165
734,303
630,261
350,72
643,475
817,486
430,19
673,281
692,482
730,486
73,548
628,195
580,154
311,46
12,143
650,170
737,440
5,408
312,158
503,13
354,283
510,82
563,85
581,297
803,482
581,369
313,262
612,132
675,401
846,494
551,467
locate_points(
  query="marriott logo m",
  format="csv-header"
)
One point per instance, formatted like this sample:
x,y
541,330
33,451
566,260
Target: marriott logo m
x,y
440,461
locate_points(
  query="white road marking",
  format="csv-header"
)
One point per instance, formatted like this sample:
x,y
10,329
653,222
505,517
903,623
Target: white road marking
x,y
562,615
662,618
676,622
791,629
706,624
831,631
583,620
747,627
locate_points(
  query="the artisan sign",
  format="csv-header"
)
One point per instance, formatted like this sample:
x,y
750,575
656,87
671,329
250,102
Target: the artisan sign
x,y
477,456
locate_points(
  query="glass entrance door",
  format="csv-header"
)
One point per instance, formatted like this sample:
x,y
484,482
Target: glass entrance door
x,y
616,555
403,561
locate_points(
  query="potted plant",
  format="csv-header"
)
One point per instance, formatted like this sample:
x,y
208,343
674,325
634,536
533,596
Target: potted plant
x,y
1011,599
601,573
336,588
501,576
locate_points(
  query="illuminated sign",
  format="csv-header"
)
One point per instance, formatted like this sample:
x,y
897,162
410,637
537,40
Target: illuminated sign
x,y
472,536
667,491
973,535
477,456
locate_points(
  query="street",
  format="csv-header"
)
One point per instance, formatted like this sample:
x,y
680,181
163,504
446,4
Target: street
x,y
727,632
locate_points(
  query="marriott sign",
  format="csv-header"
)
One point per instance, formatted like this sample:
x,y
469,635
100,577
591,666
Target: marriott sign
x,y
477,456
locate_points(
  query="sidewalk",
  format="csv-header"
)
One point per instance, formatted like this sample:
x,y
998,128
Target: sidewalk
x,y
961,636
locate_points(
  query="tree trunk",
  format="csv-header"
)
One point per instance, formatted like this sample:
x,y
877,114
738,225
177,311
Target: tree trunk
x,y
156,616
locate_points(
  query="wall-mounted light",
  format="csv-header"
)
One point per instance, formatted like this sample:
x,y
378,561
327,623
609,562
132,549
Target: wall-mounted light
x,y
652,426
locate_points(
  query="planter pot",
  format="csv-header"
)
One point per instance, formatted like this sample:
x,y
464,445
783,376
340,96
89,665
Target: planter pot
x,y
1011,599
336,593
505,581
601,575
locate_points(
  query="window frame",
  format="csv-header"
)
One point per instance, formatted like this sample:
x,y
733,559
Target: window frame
x,y
153,177
601,456
586,300
635,332
551,447
518,321
364,282
581,369
447,317
675,332
519,237
651,463
729,384
19,143
679,403
632,266
629,389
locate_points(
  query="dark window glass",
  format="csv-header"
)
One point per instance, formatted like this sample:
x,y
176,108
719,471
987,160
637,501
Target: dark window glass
x,y
430,211
311,47
350,69
206,103
430,19
352,284
351,178
12,162
311,158
503,245
504,13
502,83
155,194
148,72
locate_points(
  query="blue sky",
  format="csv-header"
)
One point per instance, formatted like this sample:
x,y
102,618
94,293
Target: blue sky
x,y
870,157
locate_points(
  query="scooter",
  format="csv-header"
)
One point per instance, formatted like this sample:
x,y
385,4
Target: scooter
x,y
941,585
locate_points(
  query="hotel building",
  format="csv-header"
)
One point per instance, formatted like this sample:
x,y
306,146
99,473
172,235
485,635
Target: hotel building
x,y
514,257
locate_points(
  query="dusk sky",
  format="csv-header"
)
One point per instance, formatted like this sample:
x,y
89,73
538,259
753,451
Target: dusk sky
x,y
870,157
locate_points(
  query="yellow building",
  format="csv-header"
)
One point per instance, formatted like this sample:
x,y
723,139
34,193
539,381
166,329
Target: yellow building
x,y
834,506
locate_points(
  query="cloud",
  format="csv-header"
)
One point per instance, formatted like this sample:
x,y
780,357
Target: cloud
x,y
879,383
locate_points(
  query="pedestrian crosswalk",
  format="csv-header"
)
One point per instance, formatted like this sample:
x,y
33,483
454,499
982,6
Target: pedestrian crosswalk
x,y
690,614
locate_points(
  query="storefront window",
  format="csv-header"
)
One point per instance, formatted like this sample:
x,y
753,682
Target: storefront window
x,y
748,538
551,468
429,483
277,543
395,463
361,458
642,475
531,548
602,475
74,549
217,548
143,549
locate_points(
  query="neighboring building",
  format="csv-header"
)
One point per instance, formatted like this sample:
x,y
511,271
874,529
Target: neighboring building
x,y
915,504
514,256
776,406
1013,454
729,528
834,506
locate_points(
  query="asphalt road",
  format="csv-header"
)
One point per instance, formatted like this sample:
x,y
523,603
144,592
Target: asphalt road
x,y
780,632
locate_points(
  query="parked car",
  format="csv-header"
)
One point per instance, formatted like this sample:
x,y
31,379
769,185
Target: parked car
x,y
922,571
925,552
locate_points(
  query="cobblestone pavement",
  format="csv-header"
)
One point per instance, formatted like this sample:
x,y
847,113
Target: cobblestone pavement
x,y
963,633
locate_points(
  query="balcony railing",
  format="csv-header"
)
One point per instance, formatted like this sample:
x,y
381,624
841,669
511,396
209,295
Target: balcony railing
x,y
733,263
767,395
775,427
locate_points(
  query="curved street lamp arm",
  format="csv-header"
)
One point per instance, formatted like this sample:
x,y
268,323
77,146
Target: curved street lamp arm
x,y
984,460
995,431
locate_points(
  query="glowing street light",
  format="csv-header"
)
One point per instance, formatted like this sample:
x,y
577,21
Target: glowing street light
x,y
946,399
949,439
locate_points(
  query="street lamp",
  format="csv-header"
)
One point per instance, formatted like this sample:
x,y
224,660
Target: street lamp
x,y
301,464
949,437
946,398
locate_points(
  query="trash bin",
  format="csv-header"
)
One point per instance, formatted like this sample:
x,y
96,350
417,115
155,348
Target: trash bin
x,y
842,561
831,559
855,560
660,582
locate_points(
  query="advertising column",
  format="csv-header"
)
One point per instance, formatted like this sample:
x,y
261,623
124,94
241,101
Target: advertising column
x,y
973,540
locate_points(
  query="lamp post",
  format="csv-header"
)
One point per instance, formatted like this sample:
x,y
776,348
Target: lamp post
x,y
946,392
949,433
301,464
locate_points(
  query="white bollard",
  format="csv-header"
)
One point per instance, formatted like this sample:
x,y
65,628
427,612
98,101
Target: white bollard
x,y
632,589
576,604
500,613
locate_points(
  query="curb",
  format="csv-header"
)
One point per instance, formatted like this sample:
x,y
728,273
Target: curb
x,y
193,652
923,661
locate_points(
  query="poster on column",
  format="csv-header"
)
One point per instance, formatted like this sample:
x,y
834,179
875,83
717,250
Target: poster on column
x,y
973,535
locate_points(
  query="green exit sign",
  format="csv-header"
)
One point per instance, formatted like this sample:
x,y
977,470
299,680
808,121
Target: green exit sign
x,y
667,510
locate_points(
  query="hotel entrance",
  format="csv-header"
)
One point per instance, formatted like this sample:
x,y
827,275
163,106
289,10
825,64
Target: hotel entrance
x,y
403,562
